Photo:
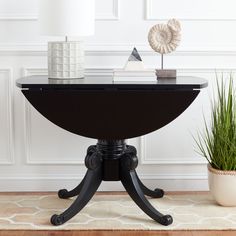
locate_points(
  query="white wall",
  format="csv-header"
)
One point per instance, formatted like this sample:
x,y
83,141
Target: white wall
x,y
37,155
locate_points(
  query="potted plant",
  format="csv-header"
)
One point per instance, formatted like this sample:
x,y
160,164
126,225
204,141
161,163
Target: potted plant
x,y
217,143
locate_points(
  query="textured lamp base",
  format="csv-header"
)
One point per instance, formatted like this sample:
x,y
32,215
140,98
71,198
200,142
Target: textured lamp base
x,y
65,60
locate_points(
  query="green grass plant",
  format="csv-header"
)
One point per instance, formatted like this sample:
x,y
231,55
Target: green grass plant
x,y
217,142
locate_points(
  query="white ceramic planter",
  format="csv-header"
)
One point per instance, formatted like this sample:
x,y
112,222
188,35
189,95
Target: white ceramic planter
x,y
222,185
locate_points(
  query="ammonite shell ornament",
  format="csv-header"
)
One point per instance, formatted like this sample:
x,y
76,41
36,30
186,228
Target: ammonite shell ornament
x,y
165,38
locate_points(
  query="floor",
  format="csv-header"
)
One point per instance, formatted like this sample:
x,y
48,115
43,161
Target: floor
x,y
116,233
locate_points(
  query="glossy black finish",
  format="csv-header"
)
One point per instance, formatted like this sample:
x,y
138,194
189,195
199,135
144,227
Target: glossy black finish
x,y
71,104
122,158
156,193
131,184
92,181
64,193
110,114
106,82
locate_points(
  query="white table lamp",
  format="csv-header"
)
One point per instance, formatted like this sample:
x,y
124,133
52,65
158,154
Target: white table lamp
x,y
66,18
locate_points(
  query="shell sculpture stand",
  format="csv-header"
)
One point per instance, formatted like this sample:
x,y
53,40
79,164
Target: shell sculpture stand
x,y
165,38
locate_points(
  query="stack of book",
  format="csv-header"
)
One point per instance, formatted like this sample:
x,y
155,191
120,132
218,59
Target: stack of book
x,y
120,75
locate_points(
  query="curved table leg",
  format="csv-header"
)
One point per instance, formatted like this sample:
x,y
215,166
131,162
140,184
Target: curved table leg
x,y
92,181
64,193
130,181
156,193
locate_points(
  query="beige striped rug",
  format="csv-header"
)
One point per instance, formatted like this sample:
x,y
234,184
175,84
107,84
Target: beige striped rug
x,y
116,212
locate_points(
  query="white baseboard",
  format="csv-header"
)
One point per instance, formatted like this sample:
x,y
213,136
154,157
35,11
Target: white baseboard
x,y
52,184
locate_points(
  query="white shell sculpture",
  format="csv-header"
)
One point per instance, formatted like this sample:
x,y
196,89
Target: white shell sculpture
x,y
165,38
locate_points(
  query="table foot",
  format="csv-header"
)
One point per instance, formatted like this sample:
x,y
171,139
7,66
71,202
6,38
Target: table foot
x,y
156,193
64,193
92,181
132,185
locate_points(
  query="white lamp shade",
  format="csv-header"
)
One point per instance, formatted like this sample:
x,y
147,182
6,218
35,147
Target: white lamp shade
x,y
67,17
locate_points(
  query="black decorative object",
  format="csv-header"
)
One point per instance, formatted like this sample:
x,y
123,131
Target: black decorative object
x,y
111,113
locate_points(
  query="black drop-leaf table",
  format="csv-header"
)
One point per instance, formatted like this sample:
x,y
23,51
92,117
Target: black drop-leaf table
x,y
111,112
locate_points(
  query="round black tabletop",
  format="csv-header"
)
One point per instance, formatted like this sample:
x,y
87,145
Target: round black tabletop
x,y
97,107
105,82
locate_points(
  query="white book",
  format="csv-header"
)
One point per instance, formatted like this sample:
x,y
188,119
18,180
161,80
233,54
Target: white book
x,y
134,79
142,75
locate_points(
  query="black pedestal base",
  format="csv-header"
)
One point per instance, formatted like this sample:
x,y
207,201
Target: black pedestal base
x,y
111,161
